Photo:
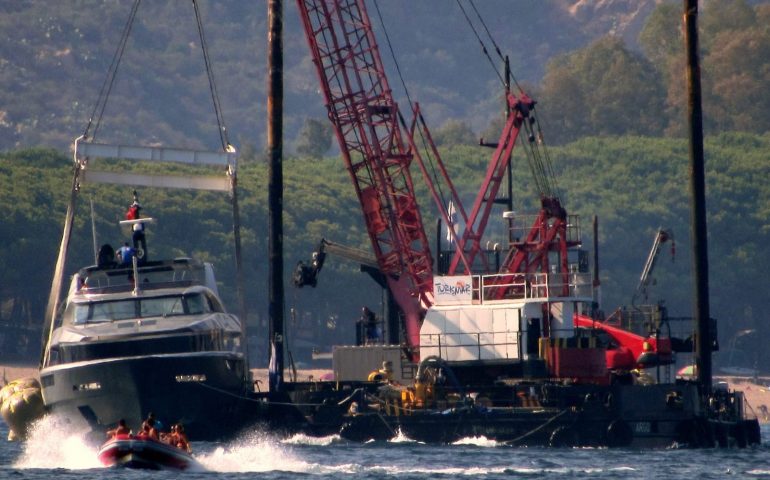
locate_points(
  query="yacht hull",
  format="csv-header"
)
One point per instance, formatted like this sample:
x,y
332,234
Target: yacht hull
x,y
204,391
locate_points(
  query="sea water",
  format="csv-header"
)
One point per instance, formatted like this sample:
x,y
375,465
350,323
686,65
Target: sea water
x,y
53,451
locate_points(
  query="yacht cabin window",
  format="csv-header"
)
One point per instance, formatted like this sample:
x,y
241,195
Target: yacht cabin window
x,y
112,310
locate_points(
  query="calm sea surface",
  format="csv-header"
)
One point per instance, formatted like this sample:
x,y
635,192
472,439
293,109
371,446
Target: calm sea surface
x,y
52,453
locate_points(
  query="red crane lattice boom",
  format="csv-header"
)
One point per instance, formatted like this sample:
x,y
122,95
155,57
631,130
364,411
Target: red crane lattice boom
x,y
378,149
365,116
470,243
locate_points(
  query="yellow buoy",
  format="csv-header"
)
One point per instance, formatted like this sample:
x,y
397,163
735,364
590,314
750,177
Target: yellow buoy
x,y
21,403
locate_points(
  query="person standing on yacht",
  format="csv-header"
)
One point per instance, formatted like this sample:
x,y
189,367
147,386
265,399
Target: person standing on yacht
x,y
134,213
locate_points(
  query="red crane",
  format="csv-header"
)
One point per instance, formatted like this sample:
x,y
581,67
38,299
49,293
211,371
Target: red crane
x,y
378,149
366,122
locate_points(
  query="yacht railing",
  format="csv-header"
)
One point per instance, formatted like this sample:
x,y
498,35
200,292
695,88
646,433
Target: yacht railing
x,y
154,275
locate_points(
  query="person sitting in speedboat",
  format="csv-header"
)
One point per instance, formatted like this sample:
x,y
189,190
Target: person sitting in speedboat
x,y
121,429
151,427
181,440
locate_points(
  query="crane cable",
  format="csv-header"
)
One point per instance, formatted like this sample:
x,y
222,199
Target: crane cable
x,y
540,163
539,138
393,53
109,81
481,42
95,119
212,85
425,148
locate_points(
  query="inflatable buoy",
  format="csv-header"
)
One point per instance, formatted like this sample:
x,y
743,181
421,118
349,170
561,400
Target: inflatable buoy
x,y
21,403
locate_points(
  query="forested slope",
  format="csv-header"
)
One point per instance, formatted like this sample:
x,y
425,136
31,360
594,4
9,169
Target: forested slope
x,y
611,67
633,184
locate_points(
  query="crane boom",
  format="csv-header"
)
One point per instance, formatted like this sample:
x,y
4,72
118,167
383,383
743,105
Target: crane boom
x,y
360,105
661,237
378,148
482,207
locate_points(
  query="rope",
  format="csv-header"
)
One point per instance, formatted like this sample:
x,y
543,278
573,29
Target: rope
x,y
536,163
428,155
104,92
211,387
212,85
393,432
97,114
536,429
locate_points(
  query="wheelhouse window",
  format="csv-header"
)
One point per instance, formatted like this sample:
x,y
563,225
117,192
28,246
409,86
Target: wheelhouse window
x,y
166,306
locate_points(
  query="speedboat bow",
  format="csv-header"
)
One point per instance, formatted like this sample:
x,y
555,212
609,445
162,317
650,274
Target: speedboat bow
x,y
141,451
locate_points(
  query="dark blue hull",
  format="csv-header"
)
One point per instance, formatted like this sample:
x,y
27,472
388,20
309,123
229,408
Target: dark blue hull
x,y
204,391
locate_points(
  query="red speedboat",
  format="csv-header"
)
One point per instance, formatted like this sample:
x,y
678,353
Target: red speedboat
x,y
140,451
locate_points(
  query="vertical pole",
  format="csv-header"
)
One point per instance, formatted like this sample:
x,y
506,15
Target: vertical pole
x,y
240,289
510,166
54,297
275,190
597,283
698,201
93,231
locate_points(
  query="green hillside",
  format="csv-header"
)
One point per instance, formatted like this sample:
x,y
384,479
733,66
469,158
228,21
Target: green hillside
x,y
592,72
607,76
633,184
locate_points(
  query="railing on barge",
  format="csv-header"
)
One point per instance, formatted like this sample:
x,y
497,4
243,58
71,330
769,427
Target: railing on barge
x,y
505,287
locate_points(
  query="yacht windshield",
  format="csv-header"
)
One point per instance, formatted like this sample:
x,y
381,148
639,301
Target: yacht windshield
x,y
112,310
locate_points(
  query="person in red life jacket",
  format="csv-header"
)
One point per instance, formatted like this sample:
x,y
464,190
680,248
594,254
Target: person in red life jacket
x,y
171,437
121,429
134,213
180,438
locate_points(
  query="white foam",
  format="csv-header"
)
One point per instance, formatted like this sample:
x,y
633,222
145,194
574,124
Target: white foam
x,y
53,444
448,471
256,452
480,441
302,439
401,438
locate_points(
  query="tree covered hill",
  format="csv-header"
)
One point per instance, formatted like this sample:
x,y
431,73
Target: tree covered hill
x,y
595,67
607,76
633,184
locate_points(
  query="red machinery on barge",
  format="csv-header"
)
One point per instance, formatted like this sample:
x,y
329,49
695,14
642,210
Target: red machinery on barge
x,y
511,350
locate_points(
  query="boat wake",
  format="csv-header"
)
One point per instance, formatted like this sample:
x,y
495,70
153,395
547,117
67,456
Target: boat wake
x,y
53,444
480,441
302,439
402,438
252,453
